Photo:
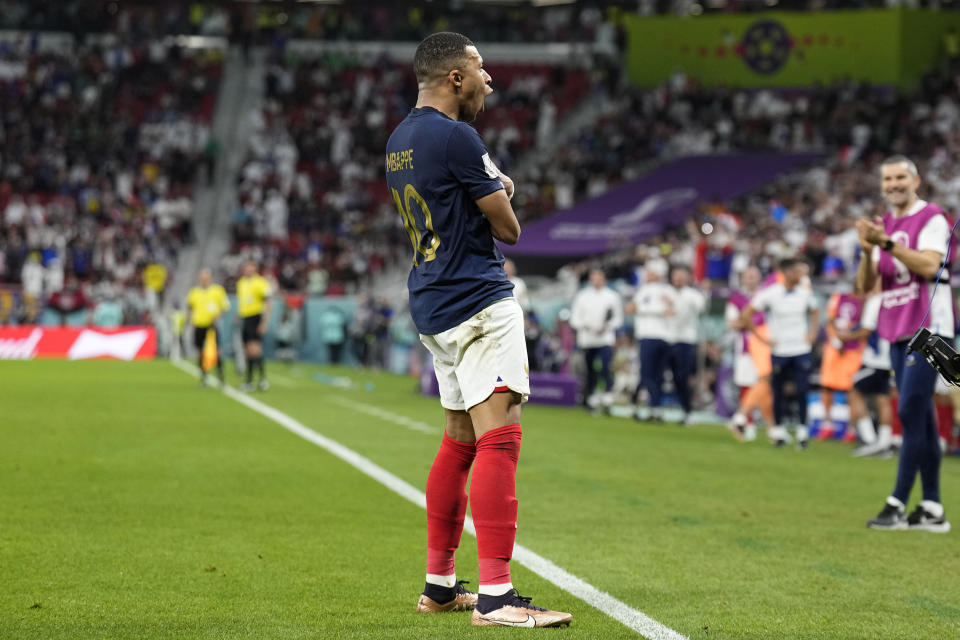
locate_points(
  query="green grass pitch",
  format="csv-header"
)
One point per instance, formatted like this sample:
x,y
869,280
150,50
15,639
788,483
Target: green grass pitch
x,y
134,504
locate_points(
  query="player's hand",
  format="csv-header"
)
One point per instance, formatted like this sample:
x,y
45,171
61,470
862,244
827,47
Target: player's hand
x,y
870,232
508,185
262,327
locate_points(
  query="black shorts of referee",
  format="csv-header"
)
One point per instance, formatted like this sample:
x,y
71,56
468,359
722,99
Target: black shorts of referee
x,y
250,330
200,336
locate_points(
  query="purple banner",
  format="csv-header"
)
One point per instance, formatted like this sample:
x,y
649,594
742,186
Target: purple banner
x,y
644,207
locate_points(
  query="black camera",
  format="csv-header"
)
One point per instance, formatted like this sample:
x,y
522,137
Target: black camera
x,y
939,353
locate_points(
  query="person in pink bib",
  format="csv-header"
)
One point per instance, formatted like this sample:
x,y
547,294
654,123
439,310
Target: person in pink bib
x,y
904,251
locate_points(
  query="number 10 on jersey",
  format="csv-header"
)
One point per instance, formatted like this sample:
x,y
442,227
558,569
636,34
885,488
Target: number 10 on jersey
x,y
425,242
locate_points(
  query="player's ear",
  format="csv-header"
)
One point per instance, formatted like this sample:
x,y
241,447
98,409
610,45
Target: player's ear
x,y
456,78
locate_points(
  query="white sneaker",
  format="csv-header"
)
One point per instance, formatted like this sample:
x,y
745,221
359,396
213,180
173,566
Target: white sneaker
x,y
779,436
923,520
873,450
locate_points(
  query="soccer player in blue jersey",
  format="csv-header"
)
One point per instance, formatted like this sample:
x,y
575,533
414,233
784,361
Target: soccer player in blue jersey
x,y
454,203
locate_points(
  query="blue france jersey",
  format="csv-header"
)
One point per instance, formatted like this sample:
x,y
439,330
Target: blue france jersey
x,y
437,168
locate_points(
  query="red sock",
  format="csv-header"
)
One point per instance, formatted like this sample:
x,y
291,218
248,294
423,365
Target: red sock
x,y
447,503
493,501
944,420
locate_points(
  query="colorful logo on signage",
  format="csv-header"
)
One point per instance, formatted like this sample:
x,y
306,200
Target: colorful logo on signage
x,y
765,46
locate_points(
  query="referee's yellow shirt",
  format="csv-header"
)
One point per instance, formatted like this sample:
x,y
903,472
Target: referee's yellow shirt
x,y
251,294
206,304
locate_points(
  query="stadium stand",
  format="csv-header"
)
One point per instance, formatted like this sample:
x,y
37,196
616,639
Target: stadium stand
x,y
100,151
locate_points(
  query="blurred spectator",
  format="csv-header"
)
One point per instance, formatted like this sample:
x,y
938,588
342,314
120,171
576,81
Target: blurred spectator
x,y
689,303
596,314
653,305
333,334
70,299
287,335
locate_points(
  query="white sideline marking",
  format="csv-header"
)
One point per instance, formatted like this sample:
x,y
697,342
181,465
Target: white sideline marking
x,y
600,600
389,416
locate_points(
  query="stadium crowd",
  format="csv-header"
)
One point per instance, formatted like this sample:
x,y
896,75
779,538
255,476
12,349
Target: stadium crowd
x,y
577,21
399,21
100,151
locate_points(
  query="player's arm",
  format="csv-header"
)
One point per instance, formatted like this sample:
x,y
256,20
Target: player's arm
x,y
867,271
814,322
469,162
924,263
746,319
267,307
577,321
858,334
224,303
188,323
503,221
699,301
265,315
833,307
507,184
732,316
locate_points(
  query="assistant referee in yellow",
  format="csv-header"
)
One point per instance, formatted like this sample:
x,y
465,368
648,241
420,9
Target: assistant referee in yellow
x,y
206,302
254,305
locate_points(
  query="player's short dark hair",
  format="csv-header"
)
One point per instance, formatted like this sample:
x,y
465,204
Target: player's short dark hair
x,y
789,263
439,53
898,158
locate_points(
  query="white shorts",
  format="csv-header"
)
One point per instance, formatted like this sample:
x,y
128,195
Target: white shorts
x,y
744,370
484,354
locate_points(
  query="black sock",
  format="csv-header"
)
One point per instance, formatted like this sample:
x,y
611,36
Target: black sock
x,y
263,373
250,370
438,593
486,603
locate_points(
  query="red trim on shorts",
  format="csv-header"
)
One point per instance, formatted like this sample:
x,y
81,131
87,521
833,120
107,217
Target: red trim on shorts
x,y
500,389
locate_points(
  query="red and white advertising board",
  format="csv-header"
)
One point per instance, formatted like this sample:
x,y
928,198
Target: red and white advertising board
x,y
27,342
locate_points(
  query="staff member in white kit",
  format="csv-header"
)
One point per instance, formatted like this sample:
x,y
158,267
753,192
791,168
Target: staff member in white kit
x,y
653,305
596,314
690,303
793,318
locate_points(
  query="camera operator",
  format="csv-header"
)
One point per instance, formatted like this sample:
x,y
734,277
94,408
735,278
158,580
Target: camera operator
x,y
904,251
